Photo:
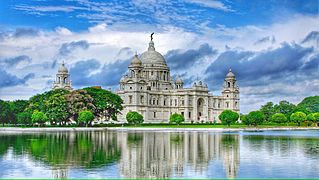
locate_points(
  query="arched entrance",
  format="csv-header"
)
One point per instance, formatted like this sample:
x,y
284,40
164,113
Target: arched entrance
x,y
200,108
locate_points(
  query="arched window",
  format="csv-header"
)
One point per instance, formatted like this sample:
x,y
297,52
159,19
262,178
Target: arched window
x,y
228,84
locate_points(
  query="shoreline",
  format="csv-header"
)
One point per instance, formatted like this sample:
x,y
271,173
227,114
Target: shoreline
x,y
83,129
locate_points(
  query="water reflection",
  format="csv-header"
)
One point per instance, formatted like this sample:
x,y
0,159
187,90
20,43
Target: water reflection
x,y
146,154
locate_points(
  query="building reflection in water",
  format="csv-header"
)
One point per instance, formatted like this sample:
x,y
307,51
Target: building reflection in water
x,y
163,154
137,154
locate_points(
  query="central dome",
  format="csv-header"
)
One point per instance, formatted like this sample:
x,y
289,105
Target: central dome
x,y
151,56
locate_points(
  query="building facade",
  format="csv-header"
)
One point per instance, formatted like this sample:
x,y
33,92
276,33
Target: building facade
x,y
149,89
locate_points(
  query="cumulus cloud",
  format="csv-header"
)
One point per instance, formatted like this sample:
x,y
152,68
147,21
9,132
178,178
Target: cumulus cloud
x,y
179,59
15,61
67,48
107,75
22,32
9,80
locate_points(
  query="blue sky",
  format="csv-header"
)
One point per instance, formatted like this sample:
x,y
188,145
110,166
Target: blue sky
x,y
272,46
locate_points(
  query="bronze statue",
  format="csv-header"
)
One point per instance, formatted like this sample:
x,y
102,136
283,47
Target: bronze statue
x,y
152,36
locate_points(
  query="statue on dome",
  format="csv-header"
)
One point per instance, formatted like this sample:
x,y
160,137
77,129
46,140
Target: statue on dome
x,y
152,36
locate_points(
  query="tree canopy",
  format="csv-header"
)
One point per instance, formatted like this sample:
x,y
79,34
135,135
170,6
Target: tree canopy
x,y
279,118
86,117
309,105
255,118
298,117
228,117
176,118
134,117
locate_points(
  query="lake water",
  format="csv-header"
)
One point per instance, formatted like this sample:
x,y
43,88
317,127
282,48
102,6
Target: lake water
x,y
131,154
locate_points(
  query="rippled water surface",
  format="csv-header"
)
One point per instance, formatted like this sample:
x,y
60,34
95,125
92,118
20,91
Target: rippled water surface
x,y
130,154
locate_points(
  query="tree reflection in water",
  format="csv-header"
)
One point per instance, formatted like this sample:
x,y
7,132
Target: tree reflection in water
x,y
138,154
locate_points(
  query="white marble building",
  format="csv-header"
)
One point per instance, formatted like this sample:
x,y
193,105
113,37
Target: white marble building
x,y
149,89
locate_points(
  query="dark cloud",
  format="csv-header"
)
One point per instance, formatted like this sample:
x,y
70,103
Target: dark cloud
x,y
177,59
266,39
8,80
24,32
13,61
259,68
312,36
67,48
108,75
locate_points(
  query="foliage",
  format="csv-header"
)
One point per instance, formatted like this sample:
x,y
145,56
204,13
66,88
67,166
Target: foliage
x,y
77,101
85,117
56,109
298,117
134,117
24,118
255,118
176,118
39,117
17,107
279,118
268,110
228,117
4,112
309,105
38,102
107,104
285,108
312,118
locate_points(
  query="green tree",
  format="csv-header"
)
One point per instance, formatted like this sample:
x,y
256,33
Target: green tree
x,y
176,118
309,105
311,118
256,117
77,101
134,117
38,117
268,110
56,109
285,108
24,118
39,101
279,118
298,117
316,115
17,107
4,112
228,117
107,104
85,117
245,120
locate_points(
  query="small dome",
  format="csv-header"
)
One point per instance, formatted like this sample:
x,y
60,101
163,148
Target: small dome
x,y
179,80
63,69
136,61
230,74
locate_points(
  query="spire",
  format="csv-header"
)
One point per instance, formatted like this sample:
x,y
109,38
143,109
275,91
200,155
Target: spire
x,y
151,44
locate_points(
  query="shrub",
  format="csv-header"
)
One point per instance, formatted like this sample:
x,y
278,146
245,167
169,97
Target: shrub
x,y
134,117
228,117
85,117
176,118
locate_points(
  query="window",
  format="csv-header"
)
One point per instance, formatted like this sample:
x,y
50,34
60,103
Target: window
x,y
182,113
175,102
164,102
236,104
141,87
130,99
142,99
154,114
227,104
153,101
228,84
182,102
130,87
157,102
189,114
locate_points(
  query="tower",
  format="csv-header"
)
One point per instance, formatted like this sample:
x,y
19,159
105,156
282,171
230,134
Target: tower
x,y
62,80
179,83
231,92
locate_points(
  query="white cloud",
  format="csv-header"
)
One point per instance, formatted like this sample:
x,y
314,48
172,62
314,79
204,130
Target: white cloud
x,y
212,4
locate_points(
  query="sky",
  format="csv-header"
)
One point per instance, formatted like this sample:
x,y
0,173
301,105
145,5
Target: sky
x,y
272,46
